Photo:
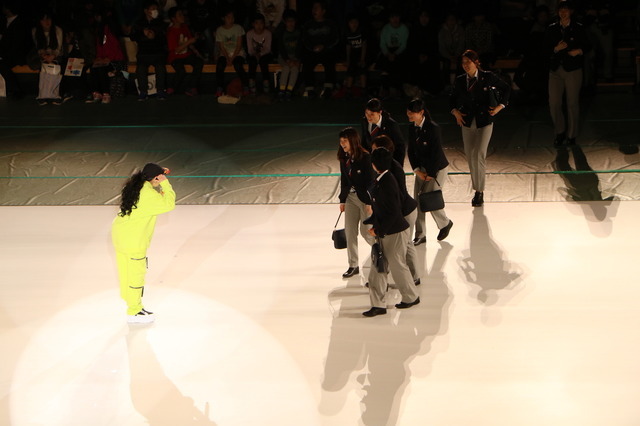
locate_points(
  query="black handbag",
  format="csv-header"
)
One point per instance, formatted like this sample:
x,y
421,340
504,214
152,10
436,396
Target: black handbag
x,y
339,236
494,96
377,258
431,201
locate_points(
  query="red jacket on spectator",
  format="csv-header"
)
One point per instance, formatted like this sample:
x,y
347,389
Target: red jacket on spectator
x,y
108,46
175,37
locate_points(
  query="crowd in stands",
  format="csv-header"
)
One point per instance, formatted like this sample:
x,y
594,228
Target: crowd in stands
x,y
387,48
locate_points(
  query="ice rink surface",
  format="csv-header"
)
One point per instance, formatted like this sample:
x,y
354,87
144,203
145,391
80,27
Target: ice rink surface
x,y
529,316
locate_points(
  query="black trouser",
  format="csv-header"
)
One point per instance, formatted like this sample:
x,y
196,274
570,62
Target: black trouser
x,y
238,63
178,65
396,71
328,60
99,79
264,62
10,80
158,60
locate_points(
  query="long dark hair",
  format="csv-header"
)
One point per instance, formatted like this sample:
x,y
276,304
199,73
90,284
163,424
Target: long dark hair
x,y
357,151
131,193
41,40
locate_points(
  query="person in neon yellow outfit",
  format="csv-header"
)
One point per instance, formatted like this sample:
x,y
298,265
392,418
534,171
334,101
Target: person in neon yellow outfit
x,y
145,195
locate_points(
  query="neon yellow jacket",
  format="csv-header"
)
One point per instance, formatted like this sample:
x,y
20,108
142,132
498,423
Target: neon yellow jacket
x,y
132,233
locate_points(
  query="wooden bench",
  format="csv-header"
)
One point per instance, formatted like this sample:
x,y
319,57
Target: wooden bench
x,y
506,64
208,68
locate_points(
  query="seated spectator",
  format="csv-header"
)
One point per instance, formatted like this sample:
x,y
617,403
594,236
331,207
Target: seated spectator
x,y
393,59
356,58
288,41
273,11
532,75
451,46
73,84
15,42
202,19
424,57
230,52
109,59
598,23
320,37
513,24
150,34
259,53
164,6
480,37
48,41
182,51
242,10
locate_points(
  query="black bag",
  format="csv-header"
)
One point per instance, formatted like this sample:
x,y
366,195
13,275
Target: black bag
x,y
431,201
494,97
339,236
377,258
117,83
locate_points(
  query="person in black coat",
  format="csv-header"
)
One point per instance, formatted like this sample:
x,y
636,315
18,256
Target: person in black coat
x,y
319,38
408,203
429,164
15,42
392,231
566,42
356,175
377,122
150,33
476,98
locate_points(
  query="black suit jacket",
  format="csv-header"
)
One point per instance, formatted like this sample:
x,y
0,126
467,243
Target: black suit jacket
x,y
476,102
359,175
406,201
387,215
150,46
388,127
576,38
15,43
425,148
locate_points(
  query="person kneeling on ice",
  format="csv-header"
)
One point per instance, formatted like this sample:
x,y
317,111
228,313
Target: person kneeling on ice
x,y
145,195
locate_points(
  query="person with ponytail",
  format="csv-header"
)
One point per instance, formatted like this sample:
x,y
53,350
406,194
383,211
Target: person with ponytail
x,y
145,195
429,164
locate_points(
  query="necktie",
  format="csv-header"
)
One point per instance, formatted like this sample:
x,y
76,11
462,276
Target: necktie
x,y
374,129
471,82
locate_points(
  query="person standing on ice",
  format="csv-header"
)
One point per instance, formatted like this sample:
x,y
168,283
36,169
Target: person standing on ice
x,y
145,195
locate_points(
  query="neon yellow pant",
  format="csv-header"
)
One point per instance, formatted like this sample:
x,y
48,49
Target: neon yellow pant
x,y
132,268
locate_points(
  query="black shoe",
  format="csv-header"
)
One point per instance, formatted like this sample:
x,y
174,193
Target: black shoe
x,y
416,282
417,241
351,272
559,140
403,305
445,231
375,312
478,199
571,141
326,93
